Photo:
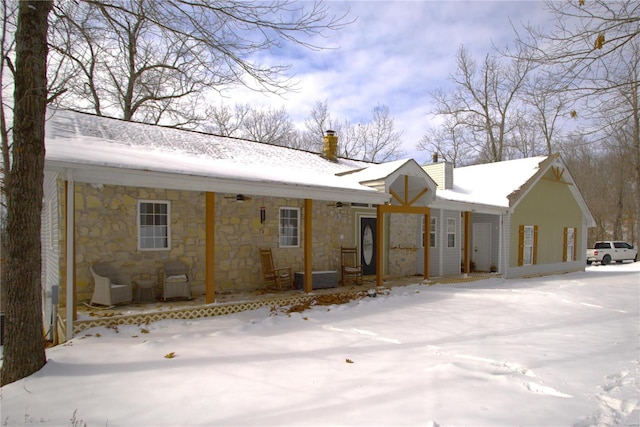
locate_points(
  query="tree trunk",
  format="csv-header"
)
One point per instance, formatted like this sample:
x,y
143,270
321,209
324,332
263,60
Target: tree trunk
x,y
24,343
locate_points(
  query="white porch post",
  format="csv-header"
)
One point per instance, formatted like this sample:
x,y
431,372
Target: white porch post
x,y
70,243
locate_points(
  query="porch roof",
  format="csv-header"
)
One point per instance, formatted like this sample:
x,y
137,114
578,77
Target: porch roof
x,y
111,151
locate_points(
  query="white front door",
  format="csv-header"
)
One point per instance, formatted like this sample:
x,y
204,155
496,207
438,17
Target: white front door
x,y
482,246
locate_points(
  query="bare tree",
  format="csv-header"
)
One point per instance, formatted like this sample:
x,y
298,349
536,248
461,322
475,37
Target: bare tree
x,y
225,121
483,99
269,125
586,40
592,52
381,142
374,141
24,346
318,122
9,10
153,61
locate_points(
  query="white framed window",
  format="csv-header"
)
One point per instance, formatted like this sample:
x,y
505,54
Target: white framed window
x,y
289,227
451,232
154,225
527,255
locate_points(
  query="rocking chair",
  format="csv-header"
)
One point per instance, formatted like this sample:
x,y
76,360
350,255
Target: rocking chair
x,y
278,278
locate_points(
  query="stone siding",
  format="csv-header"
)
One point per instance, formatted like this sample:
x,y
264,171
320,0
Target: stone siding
x,y
106,231
403,244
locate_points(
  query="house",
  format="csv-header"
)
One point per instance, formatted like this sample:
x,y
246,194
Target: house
x,y
139,195
518,217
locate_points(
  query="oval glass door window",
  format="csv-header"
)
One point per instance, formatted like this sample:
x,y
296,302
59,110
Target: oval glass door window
x,y
367,245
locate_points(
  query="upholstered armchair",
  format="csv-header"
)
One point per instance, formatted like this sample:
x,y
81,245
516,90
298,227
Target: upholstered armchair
x,y
111,286
176,280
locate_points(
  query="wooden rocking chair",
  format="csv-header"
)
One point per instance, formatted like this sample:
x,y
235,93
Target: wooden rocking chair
x,y
351,268
278,278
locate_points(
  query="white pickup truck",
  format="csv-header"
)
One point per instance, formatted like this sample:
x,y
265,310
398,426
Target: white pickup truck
x,y
606,251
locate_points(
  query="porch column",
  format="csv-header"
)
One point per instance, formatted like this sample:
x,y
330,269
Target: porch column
x,y
427,243
70,244
308,245
379,244
210,284
467,242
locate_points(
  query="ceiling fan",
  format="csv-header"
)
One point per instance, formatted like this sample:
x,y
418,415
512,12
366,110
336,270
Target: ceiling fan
x,y
238,197
339,204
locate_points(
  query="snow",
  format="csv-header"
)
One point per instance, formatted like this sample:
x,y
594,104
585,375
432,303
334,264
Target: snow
x,y
491,183
88,140
547,351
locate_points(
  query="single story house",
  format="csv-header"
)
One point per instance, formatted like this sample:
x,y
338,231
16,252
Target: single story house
x,y
138,195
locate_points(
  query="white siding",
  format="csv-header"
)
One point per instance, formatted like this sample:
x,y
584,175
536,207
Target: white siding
x,y
50,243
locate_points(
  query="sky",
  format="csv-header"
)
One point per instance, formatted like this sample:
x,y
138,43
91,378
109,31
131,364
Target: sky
x,y
547,351
395,54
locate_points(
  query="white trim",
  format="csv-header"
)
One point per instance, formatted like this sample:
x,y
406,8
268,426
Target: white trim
x,y
455,233
154,202
70,259
170,181
298,219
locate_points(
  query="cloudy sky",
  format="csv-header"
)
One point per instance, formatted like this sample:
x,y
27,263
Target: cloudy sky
x,y
395,54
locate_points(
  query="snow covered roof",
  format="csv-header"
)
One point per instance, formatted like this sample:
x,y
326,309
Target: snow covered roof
x,y
491,184
112,151
500,186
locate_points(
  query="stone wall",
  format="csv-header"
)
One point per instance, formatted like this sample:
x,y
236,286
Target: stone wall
x,y
403,244
240,235
106,231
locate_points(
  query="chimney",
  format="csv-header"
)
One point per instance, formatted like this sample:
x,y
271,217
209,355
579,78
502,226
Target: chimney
x,y
441,173
330,149
435,157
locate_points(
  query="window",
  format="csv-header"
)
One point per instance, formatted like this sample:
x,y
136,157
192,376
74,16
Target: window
x,y
289,227
153,225
451,232
527,245
569,252
432,232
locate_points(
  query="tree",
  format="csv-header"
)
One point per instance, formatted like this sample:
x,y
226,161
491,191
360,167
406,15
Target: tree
x,y
593,50
24,347
9,10
374,141
270,126
482,101
586,40
155,61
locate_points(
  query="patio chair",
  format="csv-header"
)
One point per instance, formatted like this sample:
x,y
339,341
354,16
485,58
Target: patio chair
x,y
351,268
111,286
176,280
278,278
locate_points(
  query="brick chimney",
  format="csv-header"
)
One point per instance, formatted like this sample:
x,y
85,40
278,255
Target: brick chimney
x,y
330,149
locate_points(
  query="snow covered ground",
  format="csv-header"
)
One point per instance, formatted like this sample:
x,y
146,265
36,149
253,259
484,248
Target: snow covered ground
x,y
550,351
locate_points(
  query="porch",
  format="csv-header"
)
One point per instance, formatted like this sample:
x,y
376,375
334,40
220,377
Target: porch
x,y
291,300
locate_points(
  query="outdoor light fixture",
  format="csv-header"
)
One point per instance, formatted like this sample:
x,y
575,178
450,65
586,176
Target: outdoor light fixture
x,y
339,205
263,214
240,198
